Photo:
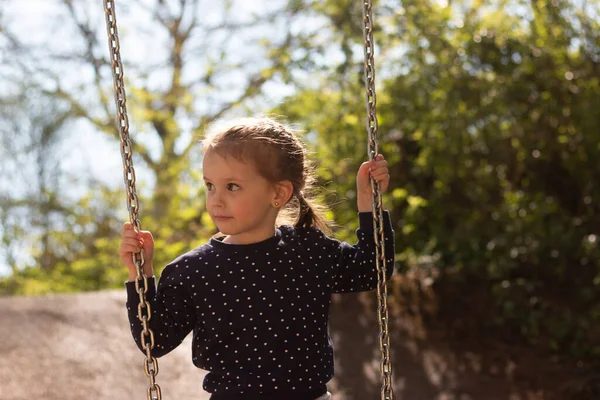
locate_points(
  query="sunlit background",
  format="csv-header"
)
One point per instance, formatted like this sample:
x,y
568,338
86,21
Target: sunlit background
x,y
489,117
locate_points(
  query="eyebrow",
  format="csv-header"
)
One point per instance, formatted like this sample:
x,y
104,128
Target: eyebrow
x,y
225,179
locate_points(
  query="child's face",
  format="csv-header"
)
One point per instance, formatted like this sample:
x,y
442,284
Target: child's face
x,y
238,199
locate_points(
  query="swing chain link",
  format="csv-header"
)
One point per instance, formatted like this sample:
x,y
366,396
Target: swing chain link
x,y
141,281
373,149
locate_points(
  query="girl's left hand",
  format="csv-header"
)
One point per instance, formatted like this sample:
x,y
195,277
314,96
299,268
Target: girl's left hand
x,y
377,168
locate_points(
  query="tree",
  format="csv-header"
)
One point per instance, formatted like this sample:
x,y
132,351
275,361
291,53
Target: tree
x,y
35,140
200,60
201,63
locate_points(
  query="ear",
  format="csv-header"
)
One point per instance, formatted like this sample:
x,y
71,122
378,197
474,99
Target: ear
x,y
283,192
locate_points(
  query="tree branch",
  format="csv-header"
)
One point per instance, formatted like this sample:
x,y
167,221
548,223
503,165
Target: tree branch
x,y
110,128
91,42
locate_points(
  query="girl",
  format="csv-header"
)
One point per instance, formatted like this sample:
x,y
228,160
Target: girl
x,y
257,295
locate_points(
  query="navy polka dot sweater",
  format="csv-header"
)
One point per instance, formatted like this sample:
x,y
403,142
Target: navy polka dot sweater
x,y
259,311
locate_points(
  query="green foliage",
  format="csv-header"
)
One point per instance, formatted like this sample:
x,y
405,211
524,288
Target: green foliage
x,y
500,138
84,254
81,253
490,121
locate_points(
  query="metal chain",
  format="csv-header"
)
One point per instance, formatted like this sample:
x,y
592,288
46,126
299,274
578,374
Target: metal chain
x,y
373,149
141,281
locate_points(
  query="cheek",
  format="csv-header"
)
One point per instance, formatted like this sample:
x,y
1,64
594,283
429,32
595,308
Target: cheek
x,y
242,202
208,199
236,201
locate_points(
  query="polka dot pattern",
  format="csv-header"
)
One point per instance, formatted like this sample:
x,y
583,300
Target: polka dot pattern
x,y
259,311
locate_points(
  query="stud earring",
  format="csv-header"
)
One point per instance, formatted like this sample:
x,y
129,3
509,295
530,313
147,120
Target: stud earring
x,y
276,204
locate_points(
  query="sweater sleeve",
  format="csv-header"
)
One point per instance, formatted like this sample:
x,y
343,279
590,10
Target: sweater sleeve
x,y
355,268
172,317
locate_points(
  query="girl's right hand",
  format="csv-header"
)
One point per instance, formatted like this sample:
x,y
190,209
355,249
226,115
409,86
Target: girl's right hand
x,y
133,242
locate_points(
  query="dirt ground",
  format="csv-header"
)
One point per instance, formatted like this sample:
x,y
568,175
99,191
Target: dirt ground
x,y
73,347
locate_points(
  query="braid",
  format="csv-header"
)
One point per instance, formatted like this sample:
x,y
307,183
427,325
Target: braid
x,y
311,214
306,214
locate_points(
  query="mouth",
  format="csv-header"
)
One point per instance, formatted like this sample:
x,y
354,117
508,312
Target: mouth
x,y
221,218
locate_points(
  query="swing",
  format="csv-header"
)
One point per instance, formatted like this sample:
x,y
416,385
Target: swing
x,y
141,282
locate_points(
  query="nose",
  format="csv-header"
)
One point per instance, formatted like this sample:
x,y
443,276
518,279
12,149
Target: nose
x,y
214,199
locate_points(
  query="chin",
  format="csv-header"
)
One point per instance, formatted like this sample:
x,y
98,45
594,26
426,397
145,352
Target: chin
x,y
226,231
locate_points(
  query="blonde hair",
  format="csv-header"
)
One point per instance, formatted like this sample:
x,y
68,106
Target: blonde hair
x,y
278,154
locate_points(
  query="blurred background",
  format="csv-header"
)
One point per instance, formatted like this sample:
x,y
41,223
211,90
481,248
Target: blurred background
x,y
489,117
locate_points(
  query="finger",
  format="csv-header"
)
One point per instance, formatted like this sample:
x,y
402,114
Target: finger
x,y
381,163
364,168
129,231
379,167
146,235
132,241
130,247
381,177
379,171
127,226
130,234
129,250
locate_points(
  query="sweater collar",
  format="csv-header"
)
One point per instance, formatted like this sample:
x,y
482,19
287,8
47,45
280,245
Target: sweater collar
x,y
217,243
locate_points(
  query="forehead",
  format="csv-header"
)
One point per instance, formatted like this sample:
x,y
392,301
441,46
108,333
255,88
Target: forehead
x,y
216,166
